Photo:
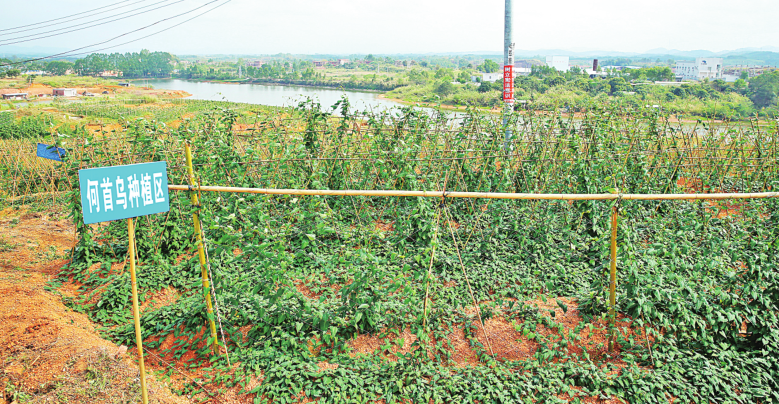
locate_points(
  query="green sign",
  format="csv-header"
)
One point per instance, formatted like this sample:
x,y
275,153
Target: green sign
x,y
121,192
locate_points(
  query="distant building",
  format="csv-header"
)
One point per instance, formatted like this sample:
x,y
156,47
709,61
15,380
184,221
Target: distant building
x,y
320,63
256,63
593,73
342,62
64,92
124,84
619,68
491,77
700,69
15,96
558,62
111,73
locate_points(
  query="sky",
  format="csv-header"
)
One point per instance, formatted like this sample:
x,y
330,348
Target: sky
x,y
397,26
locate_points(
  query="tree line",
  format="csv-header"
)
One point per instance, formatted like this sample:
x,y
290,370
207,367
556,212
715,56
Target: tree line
x,y
130,64
547,89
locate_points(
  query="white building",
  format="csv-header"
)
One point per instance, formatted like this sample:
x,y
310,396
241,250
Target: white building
x,y
64,92
700,69
491,77
558,62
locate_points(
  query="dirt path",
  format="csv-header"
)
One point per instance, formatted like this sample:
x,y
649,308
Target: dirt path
x,y
48,352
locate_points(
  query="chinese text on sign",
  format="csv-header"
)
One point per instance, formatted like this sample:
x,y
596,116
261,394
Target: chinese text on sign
x,y
508,83
121,192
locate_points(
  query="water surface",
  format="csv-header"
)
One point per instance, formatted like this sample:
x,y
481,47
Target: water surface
x,y
274,95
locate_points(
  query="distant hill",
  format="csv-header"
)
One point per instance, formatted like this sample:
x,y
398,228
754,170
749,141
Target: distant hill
x,y
753,58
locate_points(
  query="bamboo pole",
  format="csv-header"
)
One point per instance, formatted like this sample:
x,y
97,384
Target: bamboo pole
x,y
200,251
483,195
136,315
613,280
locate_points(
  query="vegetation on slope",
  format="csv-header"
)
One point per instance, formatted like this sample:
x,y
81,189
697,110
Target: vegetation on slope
x,y
301,280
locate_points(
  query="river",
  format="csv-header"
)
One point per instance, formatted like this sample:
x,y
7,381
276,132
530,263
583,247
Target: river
x,y
275,95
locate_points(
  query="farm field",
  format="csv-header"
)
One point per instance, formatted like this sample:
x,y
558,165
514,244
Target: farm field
x,y
335,299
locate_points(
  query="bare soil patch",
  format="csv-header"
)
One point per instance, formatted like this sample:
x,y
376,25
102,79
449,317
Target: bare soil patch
x,y
50,353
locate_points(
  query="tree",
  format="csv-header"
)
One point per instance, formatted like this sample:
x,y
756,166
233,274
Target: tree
x,y
59,67
418,76
679,92
464,77
744,75
489,66
555,81
484,87
740,85
444,74
618,84
542,71
660,73
764,89
719,84
444,88
13,72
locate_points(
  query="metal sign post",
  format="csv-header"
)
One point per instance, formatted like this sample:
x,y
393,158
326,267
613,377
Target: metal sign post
x,y
126,192
508,75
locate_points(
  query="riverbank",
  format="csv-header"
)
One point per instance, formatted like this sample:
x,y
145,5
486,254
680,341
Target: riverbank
x,y
439,106
40,92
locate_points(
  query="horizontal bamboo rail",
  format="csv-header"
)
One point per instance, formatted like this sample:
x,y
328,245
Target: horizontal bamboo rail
x,y
482,195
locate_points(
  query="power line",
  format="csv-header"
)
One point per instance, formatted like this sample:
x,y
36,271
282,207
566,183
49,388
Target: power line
x,y
67,16
155,33
71,52
83,28
60,21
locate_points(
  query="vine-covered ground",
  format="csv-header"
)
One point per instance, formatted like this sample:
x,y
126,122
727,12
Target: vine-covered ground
x,y
400,299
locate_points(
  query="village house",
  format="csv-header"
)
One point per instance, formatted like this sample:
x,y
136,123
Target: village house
x,y
15,96
64,92
111,73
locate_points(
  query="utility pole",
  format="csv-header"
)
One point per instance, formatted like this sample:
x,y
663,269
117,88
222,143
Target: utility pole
x,y
508,76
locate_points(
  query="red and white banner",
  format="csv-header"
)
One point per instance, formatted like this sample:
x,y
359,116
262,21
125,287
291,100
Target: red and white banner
x,y
508,83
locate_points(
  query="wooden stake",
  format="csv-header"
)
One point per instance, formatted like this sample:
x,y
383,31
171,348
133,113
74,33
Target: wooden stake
x,y
201,253
613,280
136,314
